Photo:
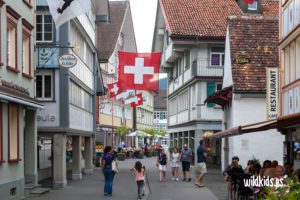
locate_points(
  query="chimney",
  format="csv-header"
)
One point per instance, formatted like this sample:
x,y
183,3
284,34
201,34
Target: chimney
x,y
255,8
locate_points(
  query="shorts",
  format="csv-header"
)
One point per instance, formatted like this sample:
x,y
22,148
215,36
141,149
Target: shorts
x,y
162,167
175,165
200,168
186,166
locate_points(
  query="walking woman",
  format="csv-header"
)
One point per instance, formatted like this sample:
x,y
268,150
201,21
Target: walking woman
x,y
175,159
109,174
162,161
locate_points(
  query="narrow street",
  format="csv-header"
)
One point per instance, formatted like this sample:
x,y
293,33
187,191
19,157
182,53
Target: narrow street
x,y
91,187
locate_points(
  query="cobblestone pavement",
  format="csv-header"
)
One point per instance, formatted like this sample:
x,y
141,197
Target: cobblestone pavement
x,y
91,187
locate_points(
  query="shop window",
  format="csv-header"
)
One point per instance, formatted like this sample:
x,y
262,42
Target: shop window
x,y
13,133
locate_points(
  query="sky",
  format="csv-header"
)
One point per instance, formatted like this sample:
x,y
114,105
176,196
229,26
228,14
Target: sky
x,y
143,14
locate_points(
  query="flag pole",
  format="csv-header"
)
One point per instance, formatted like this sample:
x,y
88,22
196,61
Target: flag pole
x,y
112,123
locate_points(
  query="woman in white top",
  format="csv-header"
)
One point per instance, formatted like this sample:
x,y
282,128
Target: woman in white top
x,y
175,160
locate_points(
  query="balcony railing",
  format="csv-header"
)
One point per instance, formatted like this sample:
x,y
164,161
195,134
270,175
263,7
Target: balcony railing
x,y
203,68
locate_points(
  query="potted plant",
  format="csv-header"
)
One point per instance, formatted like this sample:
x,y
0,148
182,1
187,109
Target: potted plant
x,y
121,156
149,153
140,155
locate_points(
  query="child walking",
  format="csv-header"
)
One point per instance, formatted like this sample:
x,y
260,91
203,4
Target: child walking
x,y
139,171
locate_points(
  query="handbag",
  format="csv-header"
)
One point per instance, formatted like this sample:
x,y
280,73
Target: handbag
x,y
114,166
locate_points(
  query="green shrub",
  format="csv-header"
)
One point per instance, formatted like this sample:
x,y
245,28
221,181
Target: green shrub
x,y
121,154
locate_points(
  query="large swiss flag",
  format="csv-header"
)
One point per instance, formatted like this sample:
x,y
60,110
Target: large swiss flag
x,y
139,71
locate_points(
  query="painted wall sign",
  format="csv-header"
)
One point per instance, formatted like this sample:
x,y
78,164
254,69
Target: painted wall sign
x,y
272,93
67,60
46,118
14,86
241,59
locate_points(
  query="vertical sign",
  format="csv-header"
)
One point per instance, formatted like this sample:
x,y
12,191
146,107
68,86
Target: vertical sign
x,y
272,93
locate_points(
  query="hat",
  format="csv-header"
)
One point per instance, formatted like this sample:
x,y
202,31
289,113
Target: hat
x,y
235,158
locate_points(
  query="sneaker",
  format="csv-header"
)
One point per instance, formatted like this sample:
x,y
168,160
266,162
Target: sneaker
x,y
184,179
189,180
177,179
173,178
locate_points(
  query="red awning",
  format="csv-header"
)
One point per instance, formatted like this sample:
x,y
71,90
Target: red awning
x,y
222,97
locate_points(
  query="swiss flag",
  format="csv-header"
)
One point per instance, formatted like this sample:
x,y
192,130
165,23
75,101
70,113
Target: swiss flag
x,y
135,101
114,89
249,1
139,71
138,100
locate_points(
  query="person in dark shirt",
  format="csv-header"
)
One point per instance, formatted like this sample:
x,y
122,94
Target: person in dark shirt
x,y
200,168
109,174
228,168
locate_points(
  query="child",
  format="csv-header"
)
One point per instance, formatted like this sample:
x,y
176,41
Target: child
x,y
139,171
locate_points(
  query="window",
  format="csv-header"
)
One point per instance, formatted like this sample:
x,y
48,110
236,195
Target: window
x,y
172,106
193,96
80,98
106,108
218,86
1,134
187,60
285,21
162,115
26,48
44,28
128,114
13,132
44,86
211,88
156,115
291,16
217,56
183,99
12,43
252,6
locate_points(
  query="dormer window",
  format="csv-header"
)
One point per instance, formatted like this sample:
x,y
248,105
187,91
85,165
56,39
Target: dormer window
x,y
252,6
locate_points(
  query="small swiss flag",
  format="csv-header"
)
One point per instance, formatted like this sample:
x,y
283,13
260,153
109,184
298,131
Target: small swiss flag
x,y
139,71
114,89
249,1
138,100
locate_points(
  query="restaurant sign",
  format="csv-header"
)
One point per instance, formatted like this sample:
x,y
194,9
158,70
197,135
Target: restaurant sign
x,y
67,60
272,93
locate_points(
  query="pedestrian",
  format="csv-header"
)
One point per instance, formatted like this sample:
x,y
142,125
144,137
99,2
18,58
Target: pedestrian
x,y
175,158
200,168
186,155
109,174
161,162
139,171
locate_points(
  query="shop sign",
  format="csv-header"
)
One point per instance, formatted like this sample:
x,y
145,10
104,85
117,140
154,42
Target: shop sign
x,y
47,57
99,149
272,93
14,86
241,60
67,60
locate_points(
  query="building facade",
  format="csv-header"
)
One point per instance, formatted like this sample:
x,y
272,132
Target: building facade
x,y
193,57
67,126
243,98
117,35
160,116
18,106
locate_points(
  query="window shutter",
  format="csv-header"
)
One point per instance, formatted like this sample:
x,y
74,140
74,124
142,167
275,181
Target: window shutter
x,y
211,88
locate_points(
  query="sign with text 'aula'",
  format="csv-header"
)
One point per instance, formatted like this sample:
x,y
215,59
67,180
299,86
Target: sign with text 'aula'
x,y
48,58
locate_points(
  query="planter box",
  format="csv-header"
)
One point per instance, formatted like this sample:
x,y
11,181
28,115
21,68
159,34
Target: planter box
x,y
149,154
121,158
155,153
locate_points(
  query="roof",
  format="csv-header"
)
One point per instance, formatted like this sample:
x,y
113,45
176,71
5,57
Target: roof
x,y
160,100
256,37
198,18
270,7
108,34
205,19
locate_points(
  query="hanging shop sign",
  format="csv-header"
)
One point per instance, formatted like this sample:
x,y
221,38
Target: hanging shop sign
x,y
272,93
67,60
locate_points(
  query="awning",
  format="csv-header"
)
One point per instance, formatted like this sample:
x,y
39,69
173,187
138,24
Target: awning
x,y
222,98
22,101
257,127
139,134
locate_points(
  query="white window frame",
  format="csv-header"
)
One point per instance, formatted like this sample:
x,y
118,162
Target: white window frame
x,y
252,6
43,74
221,54
43,28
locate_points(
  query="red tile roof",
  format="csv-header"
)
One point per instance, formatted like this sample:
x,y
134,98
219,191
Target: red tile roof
x,y
202,18
108,34
270,7
257,38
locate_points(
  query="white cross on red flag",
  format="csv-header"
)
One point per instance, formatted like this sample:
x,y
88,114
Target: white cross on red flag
x,y
114,89
135,101
139,71
249,1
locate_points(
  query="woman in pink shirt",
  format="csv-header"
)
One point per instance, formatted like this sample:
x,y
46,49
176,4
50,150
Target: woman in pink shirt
x,y
139,171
